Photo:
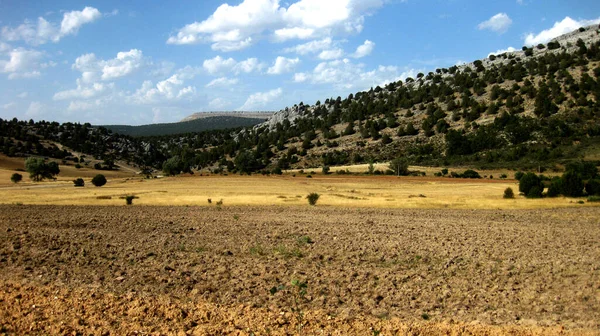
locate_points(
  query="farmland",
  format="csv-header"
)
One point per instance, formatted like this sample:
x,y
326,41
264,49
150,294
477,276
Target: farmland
x,y
210,270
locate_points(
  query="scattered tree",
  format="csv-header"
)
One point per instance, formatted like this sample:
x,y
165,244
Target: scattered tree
x,y
16,178
99,180
313,198
39,170
79,182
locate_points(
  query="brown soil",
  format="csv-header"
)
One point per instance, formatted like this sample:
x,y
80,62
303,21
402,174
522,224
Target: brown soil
x,y
197,270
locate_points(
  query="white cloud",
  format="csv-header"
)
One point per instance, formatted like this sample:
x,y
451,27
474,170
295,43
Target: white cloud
x,y
4,47
222,81
331,54
22,95
283,65
22,63
498,23
260,99
502,51
218,103
170,89
310,47
219,65
35,109
343,74
124,64
364,50
83,91
42,31
93,69
9,106
567,25
82,105
237,27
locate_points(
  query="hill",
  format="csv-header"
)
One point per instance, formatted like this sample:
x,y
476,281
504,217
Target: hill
x,y
240,114
537,108
212,122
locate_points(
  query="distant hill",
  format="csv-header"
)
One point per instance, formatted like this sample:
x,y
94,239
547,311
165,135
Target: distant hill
x,y
190,126
241,114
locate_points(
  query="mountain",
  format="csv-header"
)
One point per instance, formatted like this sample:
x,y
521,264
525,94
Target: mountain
x,y
537,108
240,114
189,125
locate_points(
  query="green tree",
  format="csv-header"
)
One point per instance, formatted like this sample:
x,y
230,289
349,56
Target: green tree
x,y
16,178
99,180
79,182
172,166
245,162
529,181
399,166
572,184
39,170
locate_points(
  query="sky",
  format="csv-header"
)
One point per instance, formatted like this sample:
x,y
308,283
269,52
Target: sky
x,y
141,62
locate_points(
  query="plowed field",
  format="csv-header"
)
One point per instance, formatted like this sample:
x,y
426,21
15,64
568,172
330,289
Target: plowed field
x,y
206,270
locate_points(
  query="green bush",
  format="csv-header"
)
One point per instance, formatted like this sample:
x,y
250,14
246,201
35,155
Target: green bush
x,y
79,182
518,175
470,173
572,184
16,178
593,199
592,187
99,180
39,170
529,181
509,193
313,198
535,192
555,188
129,200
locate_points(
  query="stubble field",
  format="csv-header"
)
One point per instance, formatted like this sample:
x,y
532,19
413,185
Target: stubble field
x,y
204,270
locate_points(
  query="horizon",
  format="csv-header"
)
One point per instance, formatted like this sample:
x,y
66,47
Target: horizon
x,y
63,61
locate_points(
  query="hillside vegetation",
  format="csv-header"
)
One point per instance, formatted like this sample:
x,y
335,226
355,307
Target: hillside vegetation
x,y
190,126
536,108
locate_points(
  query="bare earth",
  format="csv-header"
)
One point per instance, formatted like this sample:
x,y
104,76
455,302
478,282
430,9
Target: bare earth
x,y
202,270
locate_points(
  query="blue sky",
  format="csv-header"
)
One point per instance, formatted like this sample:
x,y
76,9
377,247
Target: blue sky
x,y
140,62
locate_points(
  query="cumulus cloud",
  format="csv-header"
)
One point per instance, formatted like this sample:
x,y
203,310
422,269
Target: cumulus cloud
x,y
567,25
219,65
83,91
222,81
344,74
236,27
170,89
364,50
310,47
22,63
218,103
94,69
283,65
498,23
9,106
260,99
35,109
43,31
331,54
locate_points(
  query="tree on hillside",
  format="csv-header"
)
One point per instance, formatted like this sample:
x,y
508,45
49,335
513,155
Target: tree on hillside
x,y
99,180
39,170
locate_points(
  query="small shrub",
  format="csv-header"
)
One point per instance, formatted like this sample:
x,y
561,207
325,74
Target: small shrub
x,y
503,176
313,198
509,193
326,170
78,166
593,199
99,180
209,201
16,178
469,173
79,182
129,200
